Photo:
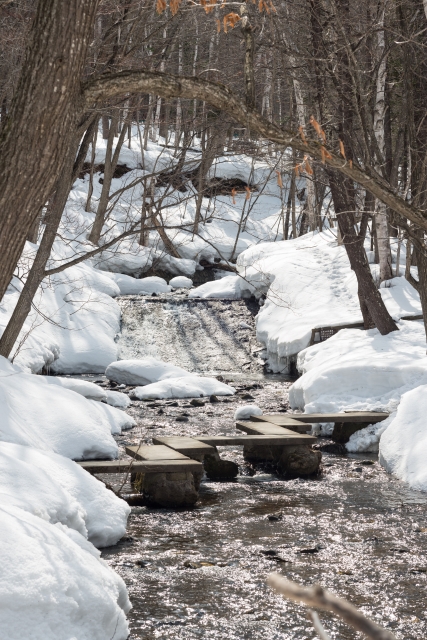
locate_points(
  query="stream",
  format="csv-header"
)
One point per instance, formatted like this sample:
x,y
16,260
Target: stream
x,y
200,573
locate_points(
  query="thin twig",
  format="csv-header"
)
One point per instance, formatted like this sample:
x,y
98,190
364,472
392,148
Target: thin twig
x,y
317,597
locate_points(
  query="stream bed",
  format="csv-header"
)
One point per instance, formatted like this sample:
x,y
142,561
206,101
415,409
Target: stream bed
x,y
200,572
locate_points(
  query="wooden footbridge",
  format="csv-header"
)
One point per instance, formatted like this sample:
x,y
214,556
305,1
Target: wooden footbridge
x,y
170,470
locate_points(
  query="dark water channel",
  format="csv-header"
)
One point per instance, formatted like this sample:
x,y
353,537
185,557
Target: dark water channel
x,y
201,573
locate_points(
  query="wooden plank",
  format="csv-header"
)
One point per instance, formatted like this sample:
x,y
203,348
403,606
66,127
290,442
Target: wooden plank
x,y
154,452
283,421
367,417
265,429
231,441
148,466
185,445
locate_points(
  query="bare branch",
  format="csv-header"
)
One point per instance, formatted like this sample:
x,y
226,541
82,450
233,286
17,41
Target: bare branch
x,y
317,597
221,97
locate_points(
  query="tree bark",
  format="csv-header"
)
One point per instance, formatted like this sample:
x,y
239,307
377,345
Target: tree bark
x,y
381,220
37,271
372,306
36,134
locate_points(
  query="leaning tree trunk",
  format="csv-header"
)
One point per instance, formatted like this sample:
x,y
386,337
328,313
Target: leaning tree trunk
x,y
53,218
372,305
42,118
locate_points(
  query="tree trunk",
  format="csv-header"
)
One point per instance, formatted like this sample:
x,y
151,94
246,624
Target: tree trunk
x,y
110,165
36,135
372,306
37,271
381,221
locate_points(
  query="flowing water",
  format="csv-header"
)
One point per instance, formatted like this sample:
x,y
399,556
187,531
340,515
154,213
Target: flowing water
x,y
200,573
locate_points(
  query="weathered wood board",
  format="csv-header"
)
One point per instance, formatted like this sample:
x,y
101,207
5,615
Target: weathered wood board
x,y
230,441
266,429
188,446
367,417
154,452
283,421
147,466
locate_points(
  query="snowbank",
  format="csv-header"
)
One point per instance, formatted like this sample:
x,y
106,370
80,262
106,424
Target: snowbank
x,y
143,371
244,413
59,490
309,284
189,387
361,370
49,417
53,584
181,282
85,388
403,445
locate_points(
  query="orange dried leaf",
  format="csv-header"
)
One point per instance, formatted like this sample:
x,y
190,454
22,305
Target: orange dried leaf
x,y
230,20
351,164
174,5
160,6
316,126
301,132
322,151
297,168
233,195
342,150
279,179
248,193
218,25
308,168
323,134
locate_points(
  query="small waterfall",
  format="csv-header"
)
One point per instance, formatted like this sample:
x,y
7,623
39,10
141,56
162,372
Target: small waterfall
x,y
203,336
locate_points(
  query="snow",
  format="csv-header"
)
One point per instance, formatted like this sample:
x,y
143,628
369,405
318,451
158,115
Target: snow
x,y
403,445
181,282
309,284
143,371
47,416
59,490
188,387
361,370
53,584
117,399
244,413
87,389
141,286
229,288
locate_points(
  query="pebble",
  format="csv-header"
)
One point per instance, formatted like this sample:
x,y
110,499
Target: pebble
x,y
195,402
273,517
213,398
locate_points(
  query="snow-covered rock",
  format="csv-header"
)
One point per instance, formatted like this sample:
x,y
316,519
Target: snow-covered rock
x,y
403,445
143,371
49,417
244,413
181,282
59,490
229,287
143,286
188,387
53,584
117,399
